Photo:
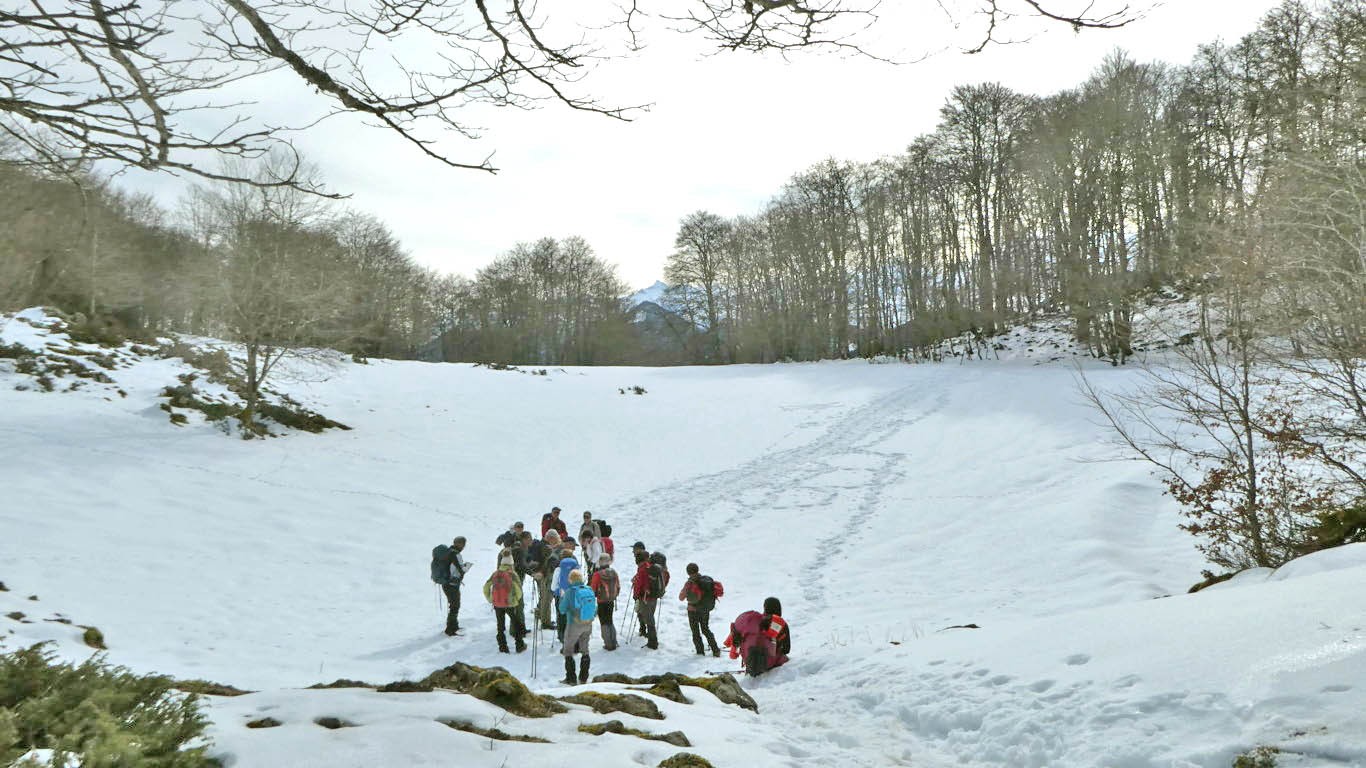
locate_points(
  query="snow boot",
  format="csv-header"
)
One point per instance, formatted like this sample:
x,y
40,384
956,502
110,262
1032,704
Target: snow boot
x,y
569,677
583,670
521,645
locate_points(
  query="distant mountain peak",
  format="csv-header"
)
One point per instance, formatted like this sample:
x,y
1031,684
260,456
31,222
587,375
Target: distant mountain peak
x,y
654,293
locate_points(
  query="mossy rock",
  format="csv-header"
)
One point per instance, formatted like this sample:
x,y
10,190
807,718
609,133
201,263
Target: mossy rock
x,y
265,722
723,686
3,588
497,686
405,686
333,723
685,760
16,615
603,703
93,638
208,688
339,683
676,738
668,688
491,733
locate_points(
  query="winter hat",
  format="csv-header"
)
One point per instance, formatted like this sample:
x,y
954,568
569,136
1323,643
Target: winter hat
x,y
505,558
604,560
638,545
771,605
576,576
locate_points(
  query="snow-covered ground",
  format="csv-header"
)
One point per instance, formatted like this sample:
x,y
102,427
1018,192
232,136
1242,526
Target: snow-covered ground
x,y
882,504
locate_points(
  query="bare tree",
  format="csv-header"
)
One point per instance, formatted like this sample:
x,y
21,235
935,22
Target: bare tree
x,y
274,286
145,84
697,261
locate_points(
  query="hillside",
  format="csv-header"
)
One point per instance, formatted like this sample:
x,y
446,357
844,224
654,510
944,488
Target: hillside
x,y
883,503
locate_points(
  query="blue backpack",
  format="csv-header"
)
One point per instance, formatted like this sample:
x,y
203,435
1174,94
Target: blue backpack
x,y
585,605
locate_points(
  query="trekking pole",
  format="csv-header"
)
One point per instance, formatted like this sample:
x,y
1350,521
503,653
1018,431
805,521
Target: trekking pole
x,y
536,634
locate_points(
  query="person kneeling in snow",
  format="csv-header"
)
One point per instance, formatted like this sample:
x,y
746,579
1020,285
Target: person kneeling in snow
x,y
578,609
777,628
754,639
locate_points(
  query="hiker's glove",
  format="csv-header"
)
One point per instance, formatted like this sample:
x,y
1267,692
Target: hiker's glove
x,y
734,652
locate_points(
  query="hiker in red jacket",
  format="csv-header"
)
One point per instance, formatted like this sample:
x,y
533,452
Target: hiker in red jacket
x,y
700,592
647,586
551,520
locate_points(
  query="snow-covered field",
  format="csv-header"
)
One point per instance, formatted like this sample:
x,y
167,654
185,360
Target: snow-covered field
x,y
882,504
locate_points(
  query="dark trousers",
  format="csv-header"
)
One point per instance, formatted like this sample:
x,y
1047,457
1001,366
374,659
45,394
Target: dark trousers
x,y
647,622
699,621
609,630
508,616
453,610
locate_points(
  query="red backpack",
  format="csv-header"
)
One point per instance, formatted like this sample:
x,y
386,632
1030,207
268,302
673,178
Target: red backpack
x,y
500,593
607,585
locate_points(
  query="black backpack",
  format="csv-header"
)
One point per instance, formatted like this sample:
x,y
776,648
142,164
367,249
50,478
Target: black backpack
x,y
708,588
655,589
441,564
603,527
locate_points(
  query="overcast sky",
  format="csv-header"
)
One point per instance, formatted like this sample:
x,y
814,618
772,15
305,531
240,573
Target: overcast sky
x,y
723,133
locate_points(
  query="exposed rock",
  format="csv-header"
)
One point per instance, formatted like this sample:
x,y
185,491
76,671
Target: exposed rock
x,y
265,722
1210,580
668,689
723,686
676,738
93,638
602,703
685,760
333,723
340,683
405,686
490,733
497,686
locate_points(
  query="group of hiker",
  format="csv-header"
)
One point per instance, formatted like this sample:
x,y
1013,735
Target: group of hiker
x,y
568,594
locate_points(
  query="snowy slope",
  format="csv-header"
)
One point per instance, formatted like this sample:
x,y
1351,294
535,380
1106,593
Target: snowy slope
x,y
882,503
